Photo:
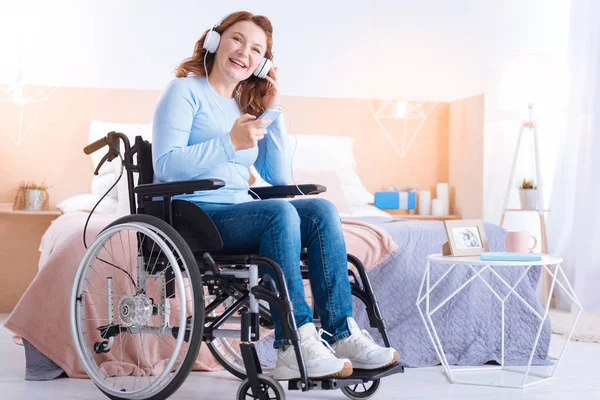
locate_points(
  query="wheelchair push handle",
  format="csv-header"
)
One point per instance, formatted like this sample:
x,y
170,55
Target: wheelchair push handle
x,y
95,146
112,141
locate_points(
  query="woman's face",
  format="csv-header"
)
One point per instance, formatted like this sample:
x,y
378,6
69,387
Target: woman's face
x,y
241,48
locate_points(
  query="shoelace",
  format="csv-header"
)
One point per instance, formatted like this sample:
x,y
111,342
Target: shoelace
x,y
313,350
320,333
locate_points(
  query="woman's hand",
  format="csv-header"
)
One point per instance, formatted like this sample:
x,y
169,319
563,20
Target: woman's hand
x,y
246,132
271,98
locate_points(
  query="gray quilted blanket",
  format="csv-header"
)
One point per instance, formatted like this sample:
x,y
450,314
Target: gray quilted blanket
x,y
469,324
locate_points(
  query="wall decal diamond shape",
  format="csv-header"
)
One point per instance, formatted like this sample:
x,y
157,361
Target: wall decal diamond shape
x,y
411,115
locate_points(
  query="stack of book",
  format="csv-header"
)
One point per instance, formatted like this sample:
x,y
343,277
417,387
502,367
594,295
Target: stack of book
x,y
506,256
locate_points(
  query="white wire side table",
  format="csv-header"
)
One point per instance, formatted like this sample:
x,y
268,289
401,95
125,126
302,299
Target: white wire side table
x,y
472,375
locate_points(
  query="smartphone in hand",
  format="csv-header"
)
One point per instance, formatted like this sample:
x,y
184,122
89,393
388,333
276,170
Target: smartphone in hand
x,y
271,114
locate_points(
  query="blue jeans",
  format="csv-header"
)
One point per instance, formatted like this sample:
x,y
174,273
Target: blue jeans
x,y
279,230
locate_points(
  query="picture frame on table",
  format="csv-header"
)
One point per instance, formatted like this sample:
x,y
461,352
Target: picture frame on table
x,y
466,237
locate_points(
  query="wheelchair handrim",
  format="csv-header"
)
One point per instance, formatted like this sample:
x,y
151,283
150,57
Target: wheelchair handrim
x,y
76,321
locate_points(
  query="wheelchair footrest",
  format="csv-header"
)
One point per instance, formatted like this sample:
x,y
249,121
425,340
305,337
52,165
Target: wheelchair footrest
x,y
371,375
358,376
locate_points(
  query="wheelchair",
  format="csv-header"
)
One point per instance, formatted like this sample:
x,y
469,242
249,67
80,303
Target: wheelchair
x,y
153,285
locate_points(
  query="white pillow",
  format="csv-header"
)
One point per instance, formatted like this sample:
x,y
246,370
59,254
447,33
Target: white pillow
x,y
122,187
86,202
101,183
323,153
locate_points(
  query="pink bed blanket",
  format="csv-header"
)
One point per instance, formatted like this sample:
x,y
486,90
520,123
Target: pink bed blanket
x,y
42,314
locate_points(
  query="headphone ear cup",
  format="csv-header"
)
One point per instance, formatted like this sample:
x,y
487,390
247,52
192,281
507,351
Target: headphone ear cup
x,y
264,66
211,41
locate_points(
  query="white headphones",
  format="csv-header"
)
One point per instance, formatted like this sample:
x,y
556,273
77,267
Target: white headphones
x,y
211,42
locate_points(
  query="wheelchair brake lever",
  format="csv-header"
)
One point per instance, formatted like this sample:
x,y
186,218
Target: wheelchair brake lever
x,y
112,140
104,159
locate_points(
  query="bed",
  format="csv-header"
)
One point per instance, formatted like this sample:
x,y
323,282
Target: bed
x,y
394,251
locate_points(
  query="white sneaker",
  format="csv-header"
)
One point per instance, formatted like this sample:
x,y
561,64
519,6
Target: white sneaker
x,y
362,351
319,359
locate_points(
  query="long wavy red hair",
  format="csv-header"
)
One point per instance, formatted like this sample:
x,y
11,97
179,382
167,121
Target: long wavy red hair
x,y
249,92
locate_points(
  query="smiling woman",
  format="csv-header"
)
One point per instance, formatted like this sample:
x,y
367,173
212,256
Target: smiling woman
x,y
204,127
244,41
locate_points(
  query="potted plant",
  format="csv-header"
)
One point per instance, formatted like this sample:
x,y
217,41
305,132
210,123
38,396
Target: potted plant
x,y
31,197
529,194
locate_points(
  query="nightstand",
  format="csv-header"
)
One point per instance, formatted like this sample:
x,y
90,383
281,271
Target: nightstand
x,y
20,236
405,215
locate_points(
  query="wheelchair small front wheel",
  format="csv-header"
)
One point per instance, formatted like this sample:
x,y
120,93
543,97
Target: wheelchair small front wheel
x,y
269,389
362,391
137,311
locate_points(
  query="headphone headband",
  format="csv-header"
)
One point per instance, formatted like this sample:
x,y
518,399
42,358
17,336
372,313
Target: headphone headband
x,y
222,19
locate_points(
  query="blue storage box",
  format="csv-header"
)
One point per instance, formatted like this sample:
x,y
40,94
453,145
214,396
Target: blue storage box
x,y
396,200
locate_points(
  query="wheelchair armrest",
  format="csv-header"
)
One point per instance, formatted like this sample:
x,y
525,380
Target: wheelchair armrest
x,y
176,188
275,192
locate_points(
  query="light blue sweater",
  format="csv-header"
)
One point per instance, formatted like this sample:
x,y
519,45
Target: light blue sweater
x,y
190,140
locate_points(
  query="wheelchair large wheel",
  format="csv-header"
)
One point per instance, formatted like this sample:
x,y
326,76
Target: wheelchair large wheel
x,y
137,310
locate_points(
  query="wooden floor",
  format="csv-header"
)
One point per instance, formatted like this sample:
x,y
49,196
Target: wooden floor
x,y
577,377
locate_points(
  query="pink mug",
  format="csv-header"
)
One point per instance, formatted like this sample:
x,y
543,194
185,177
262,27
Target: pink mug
x,y
518,242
